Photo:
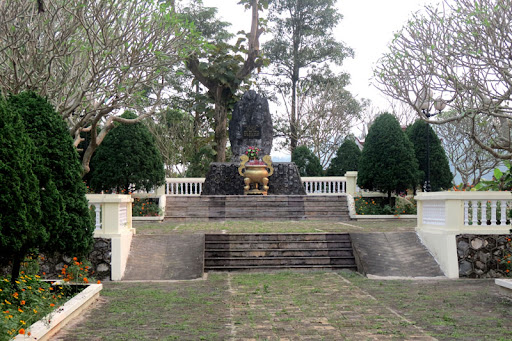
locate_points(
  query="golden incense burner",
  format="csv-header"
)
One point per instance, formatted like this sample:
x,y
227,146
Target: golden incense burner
x,y
256,175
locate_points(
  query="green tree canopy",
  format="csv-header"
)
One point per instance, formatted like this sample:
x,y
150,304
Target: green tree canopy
x,y
300,51
223,68
307,162
66,215
346,159
387,162
127,160
440,174
20,229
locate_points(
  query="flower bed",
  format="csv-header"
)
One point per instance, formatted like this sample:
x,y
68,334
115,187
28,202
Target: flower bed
x,y
30,299
56,320
146,207
377,206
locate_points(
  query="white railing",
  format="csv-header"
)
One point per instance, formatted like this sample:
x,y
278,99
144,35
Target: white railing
x,y
325,185
184,186
444,215
313,185
486,212
96,206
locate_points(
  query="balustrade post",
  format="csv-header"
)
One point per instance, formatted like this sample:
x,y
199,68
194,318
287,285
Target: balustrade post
x,y
351,184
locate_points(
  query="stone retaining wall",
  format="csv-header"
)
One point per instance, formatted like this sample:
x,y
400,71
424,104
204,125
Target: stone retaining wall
x,y
100,259
478,255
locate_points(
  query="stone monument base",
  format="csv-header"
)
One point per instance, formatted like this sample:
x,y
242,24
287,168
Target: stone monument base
x,y
223,179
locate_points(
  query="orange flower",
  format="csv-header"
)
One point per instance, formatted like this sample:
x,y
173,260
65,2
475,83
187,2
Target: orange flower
x,y
52,305
99,282
21,331
87,281
74,258
22,302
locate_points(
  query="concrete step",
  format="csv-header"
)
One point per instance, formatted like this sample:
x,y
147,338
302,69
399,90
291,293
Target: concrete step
x,y
243,207
268,251
269,245
211,237
279,261
260,268
279,253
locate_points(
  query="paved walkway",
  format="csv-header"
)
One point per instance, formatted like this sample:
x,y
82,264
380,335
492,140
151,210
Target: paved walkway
x,y
394,254
243,306
165,257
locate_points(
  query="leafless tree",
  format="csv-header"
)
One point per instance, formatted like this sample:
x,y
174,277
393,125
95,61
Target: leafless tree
x,y
460,50
90,58
326,119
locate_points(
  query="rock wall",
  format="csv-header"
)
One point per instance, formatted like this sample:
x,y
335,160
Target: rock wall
x,y
478,255
223,179
100,259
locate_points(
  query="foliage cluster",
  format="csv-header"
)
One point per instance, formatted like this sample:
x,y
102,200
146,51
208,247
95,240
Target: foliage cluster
x,y
378,206
387,162
501,181
506,261
145,207
440,174
39,168
252,152
346,159
307,162
32,299
127,160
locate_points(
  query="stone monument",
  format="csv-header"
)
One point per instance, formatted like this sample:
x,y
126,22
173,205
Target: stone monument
x,y
250,125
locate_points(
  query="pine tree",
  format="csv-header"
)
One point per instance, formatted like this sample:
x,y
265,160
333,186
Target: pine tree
x,y
307,162
20,229
66,216
387,162
346,159
440,175
127,160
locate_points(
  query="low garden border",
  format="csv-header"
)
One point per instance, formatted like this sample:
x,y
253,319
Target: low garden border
x,y
45,328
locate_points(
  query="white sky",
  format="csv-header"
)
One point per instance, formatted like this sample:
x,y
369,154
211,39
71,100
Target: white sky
x,y
367,27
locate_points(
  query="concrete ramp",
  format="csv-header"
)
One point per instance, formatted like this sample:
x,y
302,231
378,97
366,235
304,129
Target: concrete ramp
x,y
165,257
393,254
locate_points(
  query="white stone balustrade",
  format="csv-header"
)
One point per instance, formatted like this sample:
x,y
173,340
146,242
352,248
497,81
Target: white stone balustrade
x,y
114,222
313,185
184,186
324,185
444,215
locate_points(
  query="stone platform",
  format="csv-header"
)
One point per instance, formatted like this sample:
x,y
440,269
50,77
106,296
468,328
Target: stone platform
x,y
223,179
257,207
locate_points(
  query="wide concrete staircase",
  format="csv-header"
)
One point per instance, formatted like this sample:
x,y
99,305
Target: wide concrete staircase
x,y
273,251
251,207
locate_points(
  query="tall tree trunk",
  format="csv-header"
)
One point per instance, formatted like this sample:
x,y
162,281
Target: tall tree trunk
x,y
15,271
293,119
221,123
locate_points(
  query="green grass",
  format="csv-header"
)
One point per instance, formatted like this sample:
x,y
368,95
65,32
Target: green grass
x,y
295,305
309,226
